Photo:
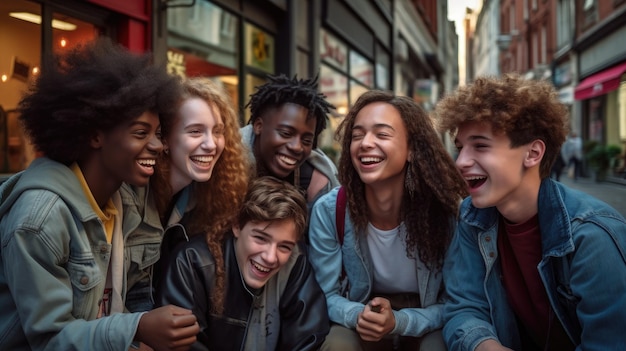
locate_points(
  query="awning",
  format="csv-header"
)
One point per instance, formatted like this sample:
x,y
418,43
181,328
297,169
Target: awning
x,y
600,83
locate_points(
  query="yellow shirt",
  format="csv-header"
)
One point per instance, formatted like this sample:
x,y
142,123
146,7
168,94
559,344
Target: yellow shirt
x,y
107,216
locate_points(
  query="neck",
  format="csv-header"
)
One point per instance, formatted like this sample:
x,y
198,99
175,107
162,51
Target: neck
x,y
384,204
101,186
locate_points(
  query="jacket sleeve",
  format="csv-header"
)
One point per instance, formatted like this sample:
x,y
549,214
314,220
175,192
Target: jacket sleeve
x,y
34,262
466,311
184,284
304,315
597,291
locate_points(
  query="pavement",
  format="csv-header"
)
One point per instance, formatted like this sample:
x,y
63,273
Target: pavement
x,y
611,192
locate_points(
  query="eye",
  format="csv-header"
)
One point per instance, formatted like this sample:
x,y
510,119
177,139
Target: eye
x,y
285,134
141,133
260,238
285,248
357,135
194,131
218,131
307,142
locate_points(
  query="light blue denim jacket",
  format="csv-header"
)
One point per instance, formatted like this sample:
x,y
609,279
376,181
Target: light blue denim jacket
x,y
327,257
53,262
583,270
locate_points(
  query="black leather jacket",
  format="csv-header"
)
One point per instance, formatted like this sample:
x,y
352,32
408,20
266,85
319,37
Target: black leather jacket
x,y
302,319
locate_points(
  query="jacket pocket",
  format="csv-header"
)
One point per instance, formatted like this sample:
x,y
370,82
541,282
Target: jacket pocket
x,y
145,255
85,276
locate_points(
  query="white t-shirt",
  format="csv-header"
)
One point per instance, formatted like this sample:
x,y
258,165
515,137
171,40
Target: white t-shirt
x,y
394,272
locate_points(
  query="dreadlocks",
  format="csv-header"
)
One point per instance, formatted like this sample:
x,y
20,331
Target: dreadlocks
x,y
281,90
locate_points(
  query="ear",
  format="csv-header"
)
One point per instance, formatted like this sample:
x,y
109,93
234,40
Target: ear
x,y
97,140
257,125
534,153
236,230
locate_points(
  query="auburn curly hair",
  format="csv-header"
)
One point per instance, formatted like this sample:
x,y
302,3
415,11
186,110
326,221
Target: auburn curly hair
x,y
430,211
525,110
219,199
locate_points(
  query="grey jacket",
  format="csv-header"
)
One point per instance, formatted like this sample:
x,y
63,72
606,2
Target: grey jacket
x,y
53,261
318,159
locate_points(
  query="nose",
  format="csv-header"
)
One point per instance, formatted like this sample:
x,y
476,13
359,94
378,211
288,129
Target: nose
x,y
155,144
270,255
295,145
367,141
208,143
463,160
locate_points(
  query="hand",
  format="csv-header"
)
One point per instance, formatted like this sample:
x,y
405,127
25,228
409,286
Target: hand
x,y
168,328
491,345
371,325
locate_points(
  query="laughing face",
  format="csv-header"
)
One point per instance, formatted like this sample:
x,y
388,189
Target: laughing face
x,y
284,139
492,169
129,151
379,146
262,248
195,143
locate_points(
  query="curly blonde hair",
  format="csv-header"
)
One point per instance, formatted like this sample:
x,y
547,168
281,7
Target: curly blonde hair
x,y
430,210
219,199
524,110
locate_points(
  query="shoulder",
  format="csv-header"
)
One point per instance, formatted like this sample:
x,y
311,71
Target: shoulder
x,y
195,252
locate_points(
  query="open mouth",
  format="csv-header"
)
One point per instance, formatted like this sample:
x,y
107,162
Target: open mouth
x,y
475,182
287,160
370,160
202,159
145,162
260,268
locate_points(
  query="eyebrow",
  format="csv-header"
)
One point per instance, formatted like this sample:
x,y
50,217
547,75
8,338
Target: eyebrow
x,y
474,138
376,126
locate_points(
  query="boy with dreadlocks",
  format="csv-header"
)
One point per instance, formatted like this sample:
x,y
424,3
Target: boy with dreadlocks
x,y
287,115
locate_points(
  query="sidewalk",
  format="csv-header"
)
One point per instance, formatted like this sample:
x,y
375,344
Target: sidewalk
x,y
611,192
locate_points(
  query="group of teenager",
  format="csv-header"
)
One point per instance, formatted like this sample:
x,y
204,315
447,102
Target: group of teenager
x,y
153,220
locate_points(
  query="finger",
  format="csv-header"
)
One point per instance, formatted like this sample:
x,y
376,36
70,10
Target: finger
x,y
183,343
182,321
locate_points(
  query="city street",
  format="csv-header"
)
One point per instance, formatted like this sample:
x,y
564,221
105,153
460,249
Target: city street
x,y
612,193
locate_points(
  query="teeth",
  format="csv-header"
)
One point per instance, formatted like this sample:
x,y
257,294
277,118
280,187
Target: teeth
x,y
370,159
261,268
475,178
204,159
288,160
147,162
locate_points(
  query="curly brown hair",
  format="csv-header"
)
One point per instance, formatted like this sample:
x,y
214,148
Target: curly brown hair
x,y
430,210
218,200
525,110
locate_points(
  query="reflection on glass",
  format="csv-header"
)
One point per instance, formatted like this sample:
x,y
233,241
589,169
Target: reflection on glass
x,y
335,86
361,69
64,39
251,83
202,41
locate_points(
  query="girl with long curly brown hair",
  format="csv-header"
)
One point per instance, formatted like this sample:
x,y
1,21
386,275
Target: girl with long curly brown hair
x,y
200,178
402,192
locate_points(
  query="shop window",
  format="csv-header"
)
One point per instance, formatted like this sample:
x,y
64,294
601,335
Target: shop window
x,y
203,41
20,63
361,69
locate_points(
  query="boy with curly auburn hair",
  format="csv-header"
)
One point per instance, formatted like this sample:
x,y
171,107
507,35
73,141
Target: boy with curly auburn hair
x,y
67,258
533,265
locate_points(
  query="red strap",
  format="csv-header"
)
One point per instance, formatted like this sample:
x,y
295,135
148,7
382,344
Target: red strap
x,y
340,213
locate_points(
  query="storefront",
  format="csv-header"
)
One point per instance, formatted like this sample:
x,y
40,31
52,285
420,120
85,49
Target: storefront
x,y
32,30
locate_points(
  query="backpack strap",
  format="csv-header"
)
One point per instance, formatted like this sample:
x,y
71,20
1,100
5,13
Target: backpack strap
x,y
340,213
340,220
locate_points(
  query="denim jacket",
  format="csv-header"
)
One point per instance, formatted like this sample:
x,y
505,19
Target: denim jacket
x,y
327,257
583,269
53,262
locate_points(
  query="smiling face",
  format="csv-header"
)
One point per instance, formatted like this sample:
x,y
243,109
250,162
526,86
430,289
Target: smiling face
x,y
379,146
129,152
262,248
284,139
493,170
195,143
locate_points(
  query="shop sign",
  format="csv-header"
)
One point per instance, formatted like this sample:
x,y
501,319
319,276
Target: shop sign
x,y
176,64
259,49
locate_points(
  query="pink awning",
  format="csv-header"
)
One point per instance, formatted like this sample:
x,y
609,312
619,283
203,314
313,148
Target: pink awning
x,y
600,83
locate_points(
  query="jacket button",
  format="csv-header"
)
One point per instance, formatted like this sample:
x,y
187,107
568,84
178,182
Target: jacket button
x,y
487,238
103,249
492,254
84,280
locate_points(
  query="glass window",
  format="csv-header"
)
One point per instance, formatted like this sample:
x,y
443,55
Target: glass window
x,y
333,51
252,82
259,49
361,69
21,28
202,41
334,85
